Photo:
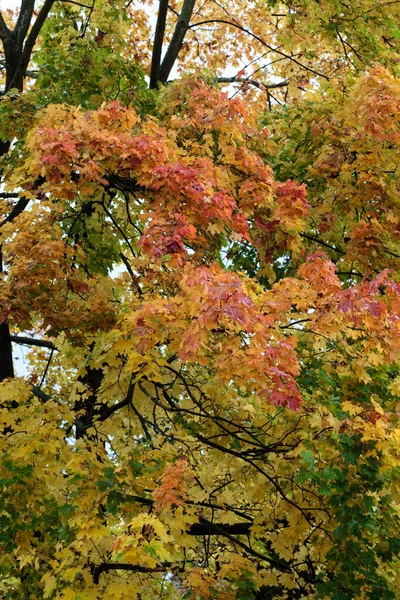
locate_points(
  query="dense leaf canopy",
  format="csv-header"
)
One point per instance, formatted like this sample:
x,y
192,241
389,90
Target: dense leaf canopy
x,y
200,227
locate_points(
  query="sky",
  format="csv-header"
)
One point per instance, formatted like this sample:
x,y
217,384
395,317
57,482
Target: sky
x,y
4,4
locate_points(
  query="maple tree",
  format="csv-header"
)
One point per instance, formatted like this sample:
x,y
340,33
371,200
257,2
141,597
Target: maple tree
x,y
205,270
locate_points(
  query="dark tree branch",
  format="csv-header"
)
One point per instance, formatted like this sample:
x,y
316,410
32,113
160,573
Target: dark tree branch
x,y
221,530
17,56
274,482
97,570
6,358
23,21
4,31
259,84
110,410
321,242
123,184
18,339
173,10
157,44
40,394
204,528
17,210
6,361
47,368
239,454
256,37
77,4
177,40
18,76
150,502
117,226
131,273
13,42
142,423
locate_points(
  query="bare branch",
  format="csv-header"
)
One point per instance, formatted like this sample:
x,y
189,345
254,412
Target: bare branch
x,y
32,74
110,410
40,394
17,339
77,4
204,528
131,273
255,82
18,76
17,210
97,570
6,360
239,527
256,37
321,242
4,31
175,45
223,531
157,44
23,22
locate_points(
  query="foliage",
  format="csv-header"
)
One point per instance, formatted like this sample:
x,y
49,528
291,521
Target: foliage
x,y
207,279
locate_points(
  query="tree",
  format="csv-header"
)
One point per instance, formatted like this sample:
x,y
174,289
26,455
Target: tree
x,y
208,282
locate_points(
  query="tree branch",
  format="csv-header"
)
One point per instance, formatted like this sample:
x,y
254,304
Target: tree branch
x,y
131,273
23,21
18,339
204,528
40,394
110,410
157,44
6,361
17,210
97,570
18,76
177,39
150,502
77,4
222,530
259,84
322,243
256,37
4,31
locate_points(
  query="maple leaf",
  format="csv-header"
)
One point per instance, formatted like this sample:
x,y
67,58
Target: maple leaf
x,y
79,287
173,485
205,285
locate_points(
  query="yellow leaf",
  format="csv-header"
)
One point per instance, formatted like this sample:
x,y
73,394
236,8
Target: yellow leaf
x,y
50,585
351,408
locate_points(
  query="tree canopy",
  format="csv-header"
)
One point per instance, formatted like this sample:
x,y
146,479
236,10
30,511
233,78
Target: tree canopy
x,y
200,226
